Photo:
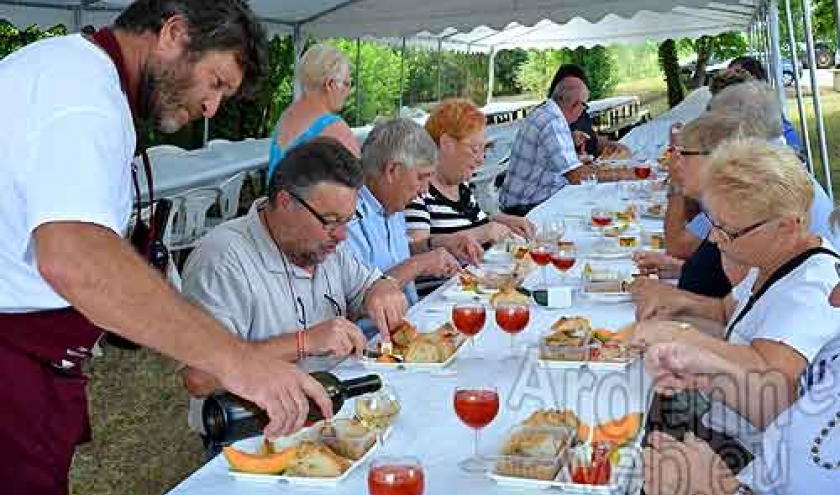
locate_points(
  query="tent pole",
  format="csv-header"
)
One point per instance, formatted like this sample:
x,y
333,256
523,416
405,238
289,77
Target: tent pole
x,y
800,104
297,47
776,51
358,81
491,77
815,91
837,25
439,79
402,76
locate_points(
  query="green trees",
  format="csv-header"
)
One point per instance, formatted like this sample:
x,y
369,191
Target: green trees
x,y
536,73
669,62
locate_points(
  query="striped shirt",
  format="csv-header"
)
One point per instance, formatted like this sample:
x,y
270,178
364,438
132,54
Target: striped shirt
x,y
438,214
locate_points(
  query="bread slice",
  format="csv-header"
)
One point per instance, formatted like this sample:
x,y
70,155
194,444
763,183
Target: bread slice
x,y
349,438
538,443
427,350
509,295
575,324
552,418
402,336
315,460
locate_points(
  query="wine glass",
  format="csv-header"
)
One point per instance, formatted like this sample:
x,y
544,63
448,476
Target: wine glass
x,y
642,170
396,475
512,318
541,254
469,319
476,406
552,230
564,259
377,411
589,181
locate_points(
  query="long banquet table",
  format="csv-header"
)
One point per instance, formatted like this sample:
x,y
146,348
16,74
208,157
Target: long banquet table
x,y
428,427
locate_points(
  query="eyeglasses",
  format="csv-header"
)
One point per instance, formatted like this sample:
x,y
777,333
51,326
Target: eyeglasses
x,y
302,310
837,268
329,226
585,106
728,236
685,152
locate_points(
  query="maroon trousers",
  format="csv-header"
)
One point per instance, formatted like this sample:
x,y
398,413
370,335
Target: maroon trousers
x,y
43,399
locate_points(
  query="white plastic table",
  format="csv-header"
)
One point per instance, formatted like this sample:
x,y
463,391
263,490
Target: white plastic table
x,y
428,427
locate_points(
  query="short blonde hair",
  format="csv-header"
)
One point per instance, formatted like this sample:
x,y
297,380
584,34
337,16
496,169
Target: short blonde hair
x,y
318,65
455,117
762,179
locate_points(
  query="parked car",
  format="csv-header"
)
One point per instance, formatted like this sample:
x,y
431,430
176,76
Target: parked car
x,y
823,53
716,65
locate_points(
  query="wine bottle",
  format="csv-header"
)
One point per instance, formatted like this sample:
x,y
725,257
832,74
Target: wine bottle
x,y
158,252
228,418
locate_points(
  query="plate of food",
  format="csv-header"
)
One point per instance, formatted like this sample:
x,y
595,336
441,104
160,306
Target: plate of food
x,y
555,449
573,343
655,211
321,455
414,350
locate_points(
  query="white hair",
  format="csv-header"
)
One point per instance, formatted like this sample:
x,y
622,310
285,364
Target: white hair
x,y
318,65
399,140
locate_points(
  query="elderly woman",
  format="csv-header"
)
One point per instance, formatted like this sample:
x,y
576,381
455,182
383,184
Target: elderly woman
x,y
398,160
800,450
448,207
323,79
757,197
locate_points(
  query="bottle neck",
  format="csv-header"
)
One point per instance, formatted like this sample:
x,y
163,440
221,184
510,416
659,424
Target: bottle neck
x,y
362,385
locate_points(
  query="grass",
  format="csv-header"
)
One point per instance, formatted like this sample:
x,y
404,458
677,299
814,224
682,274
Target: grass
x,y
141,444
651,93
831,113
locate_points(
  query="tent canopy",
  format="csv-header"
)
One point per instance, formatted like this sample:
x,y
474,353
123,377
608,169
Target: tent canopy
x,y
633,19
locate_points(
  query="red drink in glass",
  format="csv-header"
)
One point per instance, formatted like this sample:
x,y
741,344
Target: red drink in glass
x,y
476,408
642,171
396,479
563,262
469,320
540,256
513,319
601,220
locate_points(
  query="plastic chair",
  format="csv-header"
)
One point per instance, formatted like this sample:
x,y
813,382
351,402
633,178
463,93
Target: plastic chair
x,y
229,193
195,204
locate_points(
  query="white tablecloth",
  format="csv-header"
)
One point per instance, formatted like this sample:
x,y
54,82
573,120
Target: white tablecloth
x,y
428,427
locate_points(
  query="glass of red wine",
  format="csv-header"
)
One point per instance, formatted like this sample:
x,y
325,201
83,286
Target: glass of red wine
x,y
477,407
642,171
541,254
469,319
396,475
564,259
512,318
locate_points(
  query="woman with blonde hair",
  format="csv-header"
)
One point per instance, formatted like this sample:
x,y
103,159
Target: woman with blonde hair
x,y
322,78
776,324
449,206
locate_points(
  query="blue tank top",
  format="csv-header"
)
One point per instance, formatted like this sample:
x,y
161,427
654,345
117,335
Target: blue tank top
x,y
276,153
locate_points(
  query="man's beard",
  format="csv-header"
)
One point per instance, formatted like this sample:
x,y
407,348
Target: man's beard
x,y
163,94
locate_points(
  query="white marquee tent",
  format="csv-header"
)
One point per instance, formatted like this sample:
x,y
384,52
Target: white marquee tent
x,y
398,18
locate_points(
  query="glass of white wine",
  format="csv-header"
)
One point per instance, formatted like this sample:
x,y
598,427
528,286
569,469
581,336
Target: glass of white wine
x,y
378,411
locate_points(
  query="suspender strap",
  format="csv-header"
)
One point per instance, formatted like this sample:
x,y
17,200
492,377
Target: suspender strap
x,y
779,274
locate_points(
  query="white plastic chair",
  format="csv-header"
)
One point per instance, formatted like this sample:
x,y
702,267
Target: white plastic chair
x,y
193,217
165,150
216,142
229,193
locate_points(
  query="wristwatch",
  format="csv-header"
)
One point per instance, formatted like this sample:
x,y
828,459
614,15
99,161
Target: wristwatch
x,y
743,490
675,190
389,278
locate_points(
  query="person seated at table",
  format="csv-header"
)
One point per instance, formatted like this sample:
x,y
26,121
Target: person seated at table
x,y
543,157
586,139
322,77
449,206
702,272
799,452
398,160
777,321
756,69
284,272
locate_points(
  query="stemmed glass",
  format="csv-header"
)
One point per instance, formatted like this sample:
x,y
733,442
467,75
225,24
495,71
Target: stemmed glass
x,y
378,410
589,181
396,475
564,259
512,318
476,406
541,254
469,319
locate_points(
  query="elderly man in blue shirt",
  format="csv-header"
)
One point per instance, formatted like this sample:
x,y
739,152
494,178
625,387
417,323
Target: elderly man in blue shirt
x,y
398,159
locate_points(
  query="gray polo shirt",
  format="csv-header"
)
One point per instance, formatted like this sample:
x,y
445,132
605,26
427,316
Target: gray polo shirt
x,y
238,274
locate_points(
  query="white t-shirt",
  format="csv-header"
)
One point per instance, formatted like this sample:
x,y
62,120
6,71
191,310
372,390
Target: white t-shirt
x,y
65,154
794,311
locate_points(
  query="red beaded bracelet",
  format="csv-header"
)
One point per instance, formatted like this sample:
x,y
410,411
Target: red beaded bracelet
x,y
301,347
